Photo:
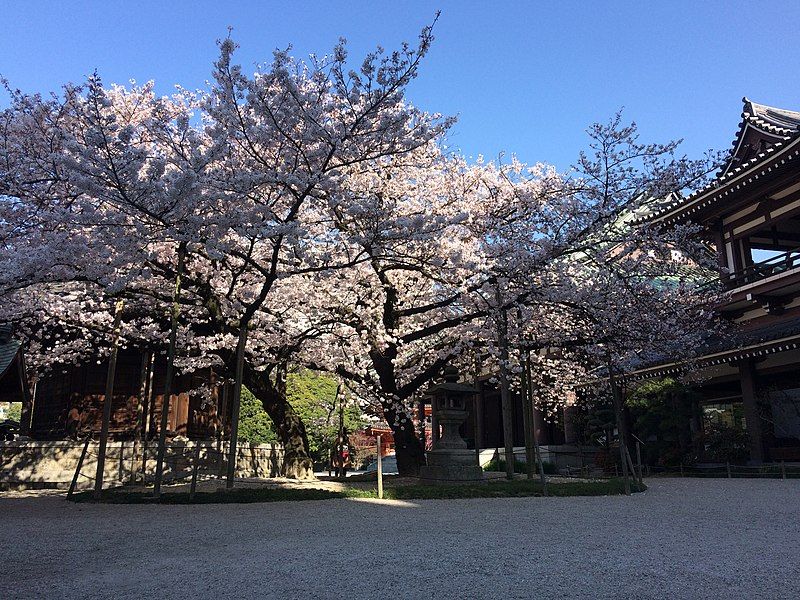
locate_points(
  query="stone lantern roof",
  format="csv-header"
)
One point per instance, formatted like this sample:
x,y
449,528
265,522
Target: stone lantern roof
x,y
451,384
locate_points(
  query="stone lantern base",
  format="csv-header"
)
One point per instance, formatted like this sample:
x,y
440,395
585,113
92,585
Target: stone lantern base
x,y
450,465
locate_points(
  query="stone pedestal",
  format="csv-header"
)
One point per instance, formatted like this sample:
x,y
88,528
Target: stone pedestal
x,y
451,466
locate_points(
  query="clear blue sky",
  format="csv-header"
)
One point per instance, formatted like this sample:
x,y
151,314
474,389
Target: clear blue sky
x,y
523,77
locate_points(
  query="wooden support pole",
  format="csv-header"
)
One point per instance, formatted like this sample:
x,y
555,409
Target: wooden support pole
x,y
783,469
421,423
530,408
476,428
148,415
639,460
630,463
195,468
173,332
616,396
28,398
78,467
341,437
505,385
478,408
221,462
527,422
141,414
237,397
121,462
108,400
380,470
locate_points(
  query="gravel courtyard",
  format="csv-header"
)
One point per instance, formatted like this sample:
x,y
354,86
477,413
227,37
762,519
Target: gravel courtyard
x,y
683,538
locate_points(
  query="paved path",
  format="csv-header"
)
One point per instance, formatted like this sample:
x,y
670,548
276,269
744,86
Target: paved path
x,y
684,538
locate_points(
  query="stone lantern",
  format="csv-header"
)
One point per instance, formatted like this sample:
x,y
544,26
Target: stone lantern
x,y
450,461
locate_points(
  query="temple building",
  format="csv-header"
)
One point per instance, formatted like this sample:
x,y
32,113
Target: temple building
x,y
750,216
68,402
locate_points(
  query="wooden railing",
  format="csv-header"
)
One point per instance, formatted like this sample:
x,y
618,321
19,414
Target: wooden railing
x,y
761,270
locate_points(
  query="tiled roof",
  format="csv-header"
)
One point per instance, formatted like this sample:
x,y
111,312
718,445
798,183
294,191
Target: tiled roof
x,y
8,350
741,345
759,165
774,122
777,122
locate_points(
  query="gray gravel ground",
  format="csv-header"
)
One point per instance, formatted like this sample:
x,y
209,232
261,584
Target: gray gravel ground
x,y
684,538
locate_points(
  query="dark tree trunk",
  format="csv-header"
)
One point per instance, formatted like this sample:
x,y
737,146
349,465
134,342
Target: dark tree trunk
x,y
696,429
409,451
619,412
297,463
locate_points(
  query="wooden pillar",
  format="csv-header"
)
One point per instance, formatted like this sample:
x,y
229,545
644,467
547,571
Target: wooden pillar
x,y
719,242
570,424
172,413
26,418
478,408
755,427
421,422
182,414
540,428
747,253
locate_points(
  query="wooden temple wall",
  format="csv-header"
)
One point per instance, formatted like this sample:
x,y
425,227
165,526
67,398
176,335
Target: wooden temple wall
x,y
491,422
83,388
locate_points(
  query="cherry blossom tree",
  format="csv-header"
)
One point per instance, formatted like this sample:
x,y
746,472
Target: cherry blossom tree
x,y
632,294
242,181
312,215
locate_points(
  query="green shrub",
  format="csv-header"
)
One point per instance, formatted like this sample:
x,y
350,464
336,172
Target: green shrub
x,y
725,443
15,412
520,466
255,426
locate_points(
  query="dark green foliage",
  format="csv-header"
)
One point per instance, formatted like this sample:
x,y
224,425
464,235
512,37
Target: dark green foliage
x,y
255,426
313,396
726,443
596,423
662,411
15,412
